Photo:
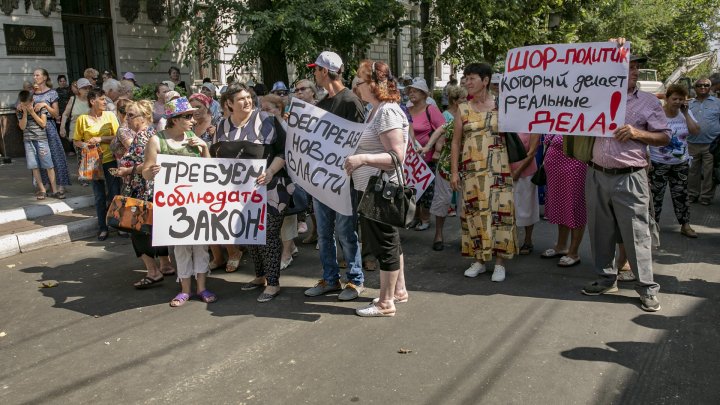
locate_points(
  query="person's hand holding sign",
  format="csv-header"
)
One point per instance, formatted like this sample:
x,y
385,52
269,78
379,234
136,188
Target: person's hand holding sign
x,y
266,177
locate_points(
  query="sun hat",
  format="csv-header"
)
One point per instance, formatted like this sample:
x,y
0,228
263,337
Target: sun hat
x,y
168,83
83,82
328,60
210,87
176,107
279,86
420,84
129,76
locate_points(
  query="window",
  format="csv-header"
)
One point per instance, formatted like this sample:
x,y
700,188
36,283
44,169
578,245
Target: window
x,y
393,59
87,28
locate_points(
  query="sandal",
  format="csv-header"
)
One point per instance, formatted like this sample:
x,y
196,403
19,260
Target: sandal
x,y
232,264
167,271
59,195
216,266
148,282
179,300
567,261
102,235
552,254
40,195
526,249
207,297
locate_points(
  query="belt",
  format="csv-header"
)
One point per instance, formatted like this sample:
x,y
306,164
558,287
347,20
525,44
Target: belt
x,y
620,170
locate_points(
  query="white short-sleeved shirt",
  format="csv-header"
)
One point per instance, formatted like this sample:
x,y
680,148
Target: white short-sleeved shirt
x,y
387,117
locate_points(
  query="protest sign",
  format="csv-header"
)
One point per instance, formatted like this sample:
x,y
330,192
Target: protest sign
x,y
417,173
566,89
201,201
316,146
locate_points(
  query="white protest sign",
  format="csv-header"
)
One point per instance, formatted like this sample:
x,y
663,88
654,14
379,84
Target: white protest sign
x,y
417,173
566,89
200,201
316,146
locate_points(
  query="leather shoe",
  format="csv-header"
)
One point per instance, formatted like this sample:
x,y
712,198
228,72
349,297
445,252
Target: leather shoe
x,y
688,231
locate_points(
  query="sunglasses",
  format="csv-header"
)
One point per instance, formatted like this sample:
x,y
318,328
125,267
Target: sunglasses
x,y
281,93
185,116
702,85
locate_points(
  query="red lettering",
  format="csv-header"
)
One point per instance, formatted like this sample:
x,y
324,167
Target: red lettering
x,y
600,120
579,124
561,121
159,199
541,117
256,197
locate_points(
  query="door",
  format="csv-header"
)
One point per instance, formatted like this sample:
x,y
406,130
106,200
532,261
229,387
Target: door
x,y
87,28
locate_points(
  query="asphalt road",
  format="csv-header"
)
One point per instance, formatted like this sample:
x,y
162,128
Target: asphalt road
x,y
531,339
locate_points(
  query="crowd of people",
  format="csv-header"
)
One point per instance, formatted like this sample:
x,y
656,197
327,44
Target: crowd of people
x,y
617,194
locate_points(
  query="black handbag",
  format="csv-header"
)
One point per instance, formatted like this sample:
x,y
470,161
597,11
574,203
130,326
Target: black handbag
x,y
238,150
387,202
514,146
540,177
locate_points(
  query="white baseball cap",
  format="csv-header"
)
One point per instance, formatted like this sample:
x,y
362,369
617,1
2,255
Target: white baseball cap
x,y
420,84
328,60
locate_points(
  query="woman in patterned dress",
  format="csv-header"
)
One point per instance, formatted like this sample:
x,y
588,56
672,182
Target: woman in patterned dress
x,y
46,97
139,122
486,186
564,201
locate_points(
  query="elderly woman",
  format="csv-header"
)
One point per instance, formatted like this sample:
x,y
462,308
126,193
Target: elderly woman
x,y
123,138
426,118
564,201
442,139
387,130
45,97
250,125
178,139
97,129
671,163
487,218
138,119
159,106
274,105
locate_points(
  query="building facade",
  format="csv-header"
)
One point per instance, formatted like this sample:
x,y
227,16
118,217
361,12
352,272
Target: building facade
x,y
68,36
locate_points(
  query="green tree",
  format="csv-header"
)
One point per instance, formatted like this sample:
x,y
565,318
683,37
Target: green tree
x,y
280,31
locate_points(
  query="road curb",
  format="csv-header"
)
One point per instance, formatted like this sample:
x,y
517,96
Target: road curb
x,y
28,241
40,210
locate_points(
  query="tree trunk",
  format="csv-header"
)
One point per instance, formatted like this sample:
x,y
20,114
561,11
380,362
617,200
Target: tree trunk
x,y
273,62
428,48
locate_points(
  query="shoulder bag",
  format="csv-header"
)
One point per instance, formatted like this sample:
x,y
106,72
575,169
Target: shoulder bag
x,y
514,146
130,214
387,202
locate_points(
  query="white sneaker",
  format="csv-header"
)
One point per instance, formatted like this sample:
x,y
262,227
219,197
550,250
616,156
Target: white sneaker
x,y
498,274
475,269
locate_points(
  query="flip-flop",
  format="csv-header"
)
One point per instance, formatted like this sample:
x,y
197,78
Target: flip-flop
x,y
207,297
167,272
551,254
567,261
180,300
148,282
40,195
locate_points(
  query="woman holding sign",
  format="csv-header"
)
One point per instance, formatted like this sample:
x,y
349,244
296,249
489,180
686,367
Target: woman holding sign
x,y
249,127
486,185
387,130
178,139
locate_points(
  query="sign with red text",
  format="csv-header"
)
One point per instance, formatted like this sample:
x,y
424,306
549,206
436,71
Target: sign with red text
x,y
565,89
316,146
200,201
417,173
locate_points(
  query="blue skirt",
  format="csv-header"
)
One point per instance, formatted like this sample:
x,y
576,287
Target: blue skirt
x,y
57,152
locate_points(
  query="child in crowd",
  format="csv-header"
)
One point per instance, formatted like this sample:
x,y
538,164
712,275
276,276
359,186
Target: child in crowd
x,y
37,149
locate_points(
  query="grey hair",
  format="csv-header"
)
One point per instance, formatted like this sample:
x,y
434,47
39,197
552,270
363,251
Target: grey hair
x,y
111,84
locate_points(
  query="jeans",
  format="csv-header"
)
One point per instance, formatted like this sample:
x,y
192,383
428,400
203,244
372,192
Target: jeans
x,y
103,198
329,223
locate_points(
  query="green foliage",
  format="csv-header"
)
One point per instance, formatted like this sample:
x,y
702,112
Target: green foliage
x,y
147,92
280,31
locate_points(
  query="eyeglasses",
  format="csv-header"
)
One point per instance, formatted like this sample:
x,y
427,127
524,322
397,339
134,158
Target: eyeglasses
x,y
705,85
130,116
185,116
299,89
281,93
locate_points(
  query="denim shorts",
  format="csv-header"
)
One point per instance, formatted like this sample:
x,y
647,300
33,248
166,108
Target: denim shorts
x,y
38,155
